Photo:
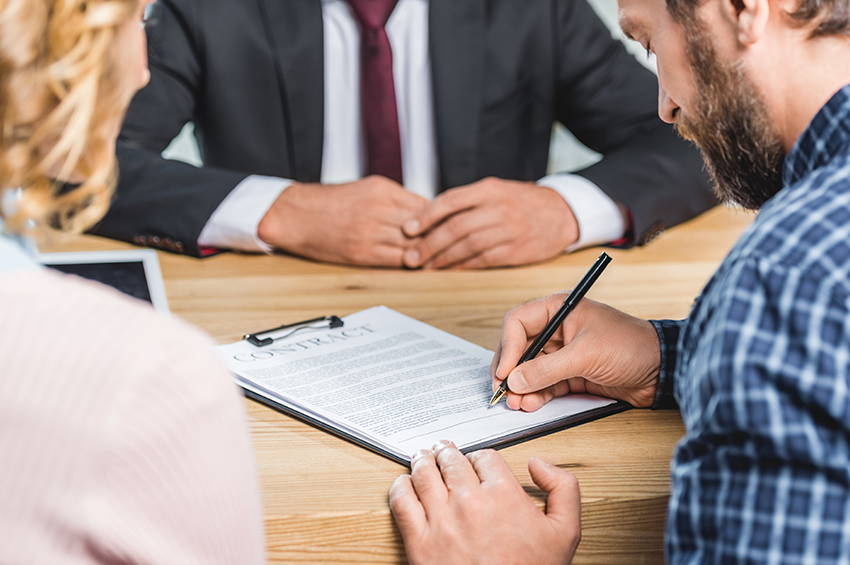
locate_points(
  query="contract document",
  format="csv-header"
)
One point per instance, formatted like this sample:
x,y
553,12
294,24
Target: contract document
x,y
394,385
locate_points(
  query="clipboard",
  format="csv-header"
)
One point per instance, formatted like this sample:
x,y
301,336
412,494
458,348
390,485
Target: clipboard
x,y
391,384
321,322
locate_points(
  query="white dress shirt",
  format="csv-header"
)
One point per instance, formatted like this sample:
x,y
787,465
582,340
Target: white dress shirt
x,y
234,223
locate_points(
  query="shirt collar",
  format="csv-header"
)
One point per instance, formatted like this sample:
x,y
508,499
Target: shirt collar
x,y
827,136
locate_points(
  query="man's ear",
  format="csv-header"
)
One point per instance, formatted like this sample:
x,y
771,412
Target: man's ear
x,y
749,17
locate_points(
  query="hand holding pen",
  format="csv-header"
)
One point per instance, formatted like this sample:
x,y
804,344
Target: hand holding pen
x,y
570,302
595,350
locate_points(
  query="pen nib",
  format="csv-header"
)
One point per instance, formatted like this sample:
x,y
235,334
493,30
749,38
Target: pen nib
x,y
497,396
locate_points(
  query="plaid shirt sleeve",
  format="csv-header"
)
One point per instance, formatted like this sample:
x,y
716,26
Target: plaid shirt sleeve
x,y
668,336
763,474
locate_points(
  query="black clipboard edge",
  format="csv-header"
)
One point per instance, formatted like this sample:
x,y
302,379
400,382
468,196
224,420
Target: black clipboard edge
x,y
551,427
322,426
500,443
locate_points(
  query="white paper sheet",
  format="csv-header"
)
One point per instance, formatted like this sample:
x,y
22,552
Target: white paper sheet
x,y
393,382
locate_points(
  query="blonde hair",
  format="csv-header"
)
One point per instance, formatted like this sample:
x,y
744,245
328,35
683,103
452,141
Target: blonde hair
x,y
61,102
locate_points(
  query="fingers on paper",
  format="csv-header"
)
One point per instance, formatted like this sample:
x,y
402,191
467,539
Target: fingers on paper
x,y
533,401
428,481
490,467
406,508
456,469
530,402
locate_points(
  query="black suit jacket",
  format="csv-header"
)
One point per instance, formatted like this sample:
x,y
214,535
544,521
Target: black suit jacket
x,y
249,74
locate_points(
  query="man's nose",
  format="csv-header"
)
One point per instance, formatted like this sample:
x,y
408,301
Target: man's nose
x,y
667,108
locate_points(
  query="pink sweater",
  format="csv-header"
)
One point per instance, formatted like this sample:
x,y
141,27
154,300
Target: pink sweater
x,y
122,439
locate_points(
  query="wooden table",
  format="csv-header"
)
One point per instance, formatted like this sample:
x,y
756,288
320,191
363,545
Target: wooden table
x,y
326,500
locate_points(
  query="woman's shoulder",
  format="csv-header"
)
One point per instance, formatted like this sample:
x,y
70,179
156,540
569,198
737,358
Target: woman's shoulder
x,y
58,314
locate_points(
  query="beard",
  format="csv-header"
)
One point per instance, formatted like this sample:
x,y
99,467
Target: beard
x,y
730,125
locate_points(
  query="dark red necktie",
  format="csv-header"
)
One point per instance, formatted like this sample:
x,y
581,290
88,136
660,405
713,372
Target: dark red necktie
x,y
377,90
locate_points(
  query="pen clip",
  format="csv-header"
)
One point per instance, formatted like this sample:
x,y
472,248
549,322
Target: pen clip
x,y
255,339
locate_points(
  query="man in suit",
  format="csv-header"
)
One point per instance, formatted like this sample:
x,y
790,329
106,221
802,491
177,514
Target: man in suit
x,y
436,158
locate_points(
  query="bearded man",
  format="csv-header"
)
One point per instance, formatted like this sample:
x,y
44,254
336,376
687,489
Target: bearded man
x,y
760,369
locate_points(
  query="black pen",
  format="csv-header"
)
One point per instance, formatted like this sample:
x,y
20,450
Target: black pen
x,y
569,303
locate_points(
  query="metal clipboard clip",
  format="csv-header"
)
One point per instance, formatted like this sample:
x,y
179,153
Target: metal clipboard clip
x,y
330,322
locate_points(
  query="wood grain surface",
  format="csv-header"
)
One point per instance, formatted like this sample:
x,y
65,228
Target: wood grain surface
x,y
325,499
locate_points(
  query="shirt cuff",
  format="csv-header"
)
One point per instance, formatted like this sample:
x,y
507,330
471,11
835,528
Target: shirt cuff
x,y
599,218
668,338
234,223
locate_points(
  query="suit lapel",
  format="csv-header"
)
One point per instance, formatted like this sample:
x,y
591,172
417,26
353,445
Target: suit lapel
x,y
297,37
457,44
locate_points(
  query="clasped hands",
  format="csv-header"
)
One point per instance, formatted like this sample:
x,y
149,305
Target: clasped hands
x,y
376,222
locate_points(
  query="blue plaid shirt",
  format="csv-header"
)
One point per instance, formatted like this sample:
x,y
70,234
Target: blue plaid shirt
x,y
761,372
